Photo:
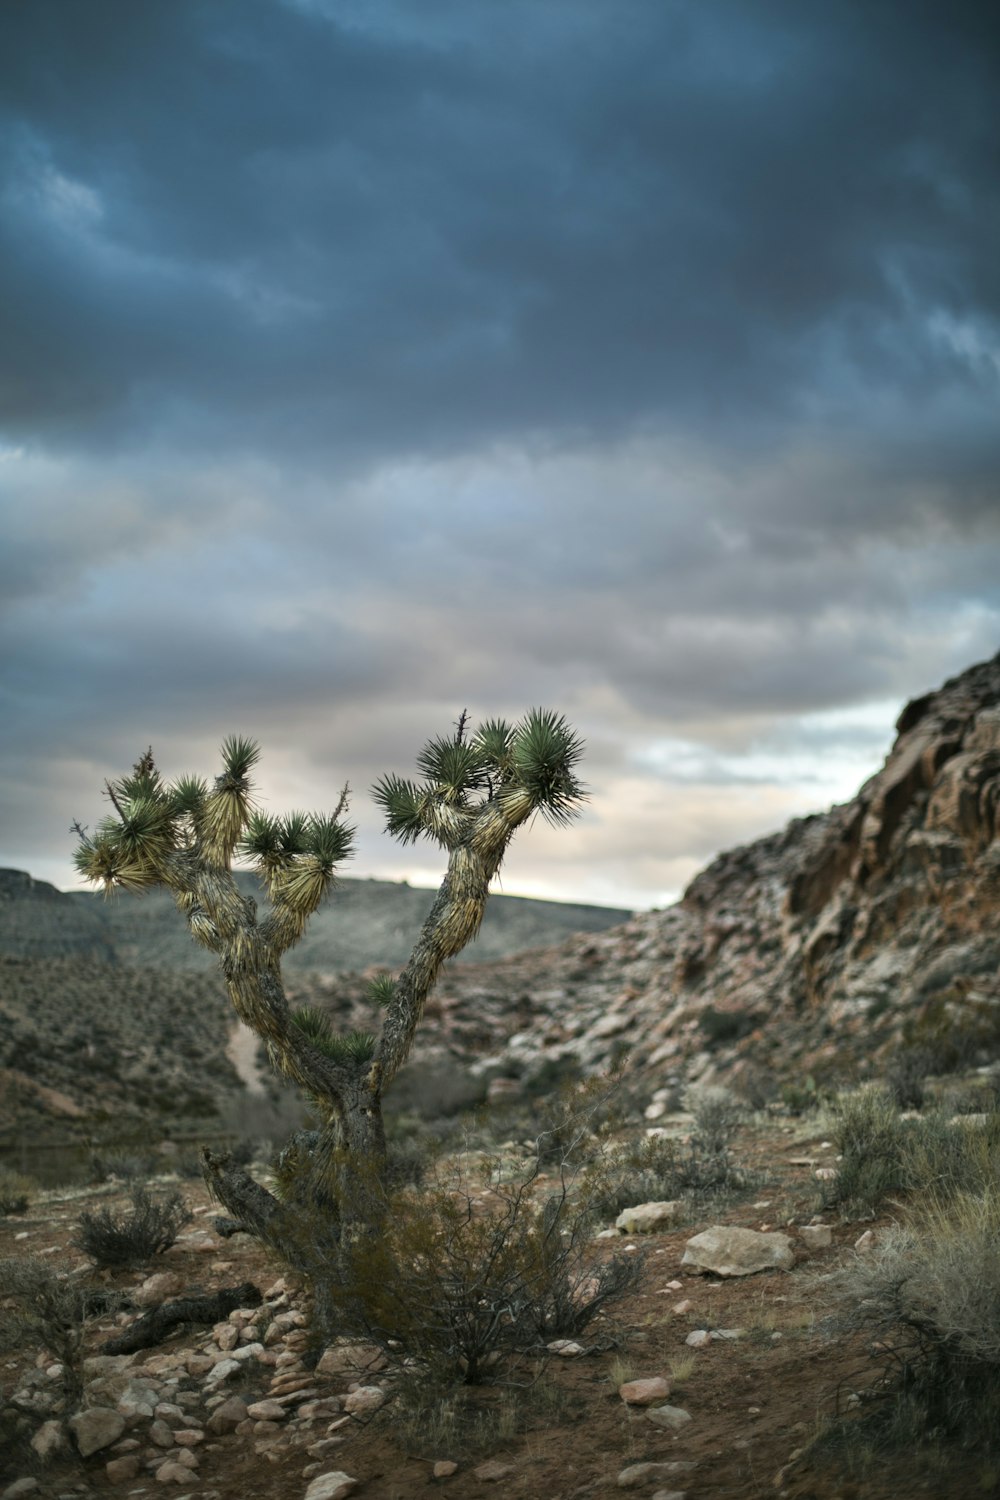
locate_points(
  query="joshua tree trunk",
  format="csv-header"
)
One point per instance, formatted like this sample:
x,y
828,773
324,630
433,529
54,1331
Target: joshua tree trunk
x,y
474,794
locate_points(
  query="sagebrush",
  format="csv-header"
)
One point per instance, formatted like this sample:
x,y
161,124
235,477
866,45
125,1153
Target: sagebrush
x,y
133,1238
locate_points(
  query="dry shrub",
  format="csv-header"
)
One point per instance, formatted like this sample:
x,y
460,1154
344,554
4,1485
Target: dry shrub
x,y
458,1281
132,1239
42,1308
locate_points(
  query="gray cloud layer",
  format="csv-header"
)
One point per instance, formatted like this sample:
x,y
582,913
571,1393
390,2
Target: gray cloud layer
x,y
361,362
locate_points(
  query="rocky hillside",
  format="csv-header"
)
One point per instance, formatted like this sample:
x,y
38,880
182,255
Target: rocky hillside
x,y
814,952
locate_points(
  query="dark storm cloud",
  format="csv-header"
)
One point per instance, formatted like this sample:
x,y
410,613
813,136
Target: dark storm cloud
x,y
315,228
364,361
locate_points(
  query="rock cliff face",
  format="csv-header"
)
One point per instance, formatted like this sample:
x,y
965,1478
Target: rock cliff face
x,y
817,950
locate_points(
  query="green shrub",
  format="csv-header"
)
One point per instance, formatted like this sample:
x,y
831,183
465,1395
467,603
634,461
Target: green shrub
x,y
928,1296
131,1239
882,1154
801,1098
870,1137
15,1192
720,1026
905,1073
718,1115
657,1168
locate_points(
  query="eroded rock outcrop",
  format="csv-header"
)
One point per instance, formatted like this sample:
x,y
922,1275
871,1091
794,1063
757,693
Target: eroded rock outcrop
x,y
816,950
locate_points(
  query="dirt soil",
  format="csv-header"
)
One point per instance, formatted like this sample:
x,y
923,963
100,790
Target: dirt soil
x,y
754,1401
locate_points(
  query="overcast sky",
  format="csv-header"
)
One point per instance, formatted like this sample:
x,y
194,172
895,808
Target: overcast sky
x,y
362,361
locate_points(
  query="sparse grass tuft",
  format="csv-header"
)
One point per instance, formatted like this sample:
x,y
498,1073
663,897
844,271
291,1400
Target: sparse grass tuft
x,y
620,1370
15,1192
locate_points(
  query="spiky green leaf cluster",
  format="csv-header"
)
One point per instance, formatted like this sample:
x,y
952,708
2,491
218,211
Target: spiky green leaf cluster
x,y
239,756
382,990
544,755
355,1047
523,768
400,801
453,767
188,795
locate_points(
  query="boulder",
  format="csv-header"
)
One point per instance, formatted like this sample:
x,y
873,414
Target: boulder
x,y
670,1418
157,1289
97,1427
49,1440
647,1218
732,1251
365,1399
644,1392
816,1236
333,1486
227,1417
122,1470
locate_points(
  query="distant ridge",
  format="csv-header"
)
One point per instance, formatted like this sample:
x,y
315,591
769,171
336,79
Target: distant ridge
x,y
364,922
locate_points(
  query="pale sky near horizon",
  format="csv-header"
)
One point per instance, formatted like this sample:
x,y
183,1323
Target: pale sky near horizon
x,y
361,363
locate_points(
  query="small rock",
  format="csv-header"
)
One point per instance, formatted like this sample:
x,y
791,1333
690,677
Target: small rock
x,y
866,1243
96,1428
188,1437
157,1289
161,1435
671,1418
680,1308
227,1336
48,1440
493,1470
637,1476
646,1218
700,1338
333,1486
644,1392
267,1411
565,1348
227,1417
168,1412
323,1446
26,1486
224,1370
366,1398
121,1470
342,1358
727,1335
173,1473
444,1468
816,1236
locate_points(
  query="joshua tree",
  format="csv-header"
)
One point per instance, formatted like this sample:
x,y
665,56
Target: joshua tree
x,y
474,792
